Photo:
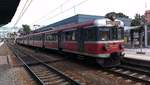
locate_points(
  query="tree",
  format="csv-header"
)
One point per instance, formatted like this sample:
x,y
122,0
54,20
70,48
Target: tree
x,y
117,15
137,21
26,29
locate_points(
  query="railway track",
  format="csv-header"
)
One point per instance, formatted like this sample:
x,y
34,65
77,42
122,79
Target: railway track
x,y
42,72
133,72
137,73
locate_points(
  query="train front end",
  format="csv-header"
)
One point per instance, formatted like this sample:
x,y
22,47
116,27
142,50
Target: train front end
x,y
109,45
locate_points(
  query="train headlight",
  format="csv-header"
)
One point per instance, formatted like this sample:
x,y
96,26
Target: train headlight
x,y
106,46
121,46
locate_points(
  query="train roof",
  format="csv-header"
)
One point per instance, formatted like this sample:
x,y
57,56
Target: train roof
x,y
99,23
73,19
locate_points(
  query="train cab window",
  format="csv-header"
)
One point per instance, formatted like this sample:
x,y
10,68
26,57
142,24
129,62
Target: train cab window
x,y
70,36
104,34
120,33
114,33
90,35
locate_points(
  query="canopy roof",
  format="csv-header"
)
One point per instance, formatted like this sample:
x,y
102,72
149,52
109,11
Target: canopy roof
x,y
7,10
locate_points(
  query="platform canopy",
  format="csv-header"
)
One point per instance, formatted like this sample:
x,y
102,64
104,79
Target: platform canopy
x,y
7,10
131,27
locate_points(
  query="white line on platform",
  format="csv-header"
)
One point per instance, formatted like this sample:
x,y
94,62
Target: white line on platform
x,y
1,43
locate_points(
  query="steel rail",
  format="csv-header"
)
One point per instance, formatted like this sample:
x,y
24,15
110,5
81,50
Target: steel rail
x,y
26,66
73,82
133,75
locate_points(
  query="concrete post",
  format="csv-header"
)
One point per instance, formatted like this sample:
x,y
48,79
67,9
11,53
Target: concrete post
x,y
145,31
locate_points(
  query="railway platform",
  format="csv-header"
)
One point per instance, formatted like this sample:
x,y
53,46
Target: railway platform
x,y
10,74
133,54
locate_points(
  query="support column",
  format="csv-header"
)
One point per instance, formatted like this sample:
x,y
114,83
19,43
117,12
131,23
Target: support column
x,y
145,30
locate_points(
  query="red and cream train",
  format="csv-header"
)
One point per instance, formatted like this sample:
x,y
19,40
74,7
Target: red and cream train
x,y
100,39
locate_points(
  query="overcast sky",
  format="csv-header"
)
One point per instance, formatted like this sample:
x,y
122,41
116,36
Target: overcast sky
x,y
40,8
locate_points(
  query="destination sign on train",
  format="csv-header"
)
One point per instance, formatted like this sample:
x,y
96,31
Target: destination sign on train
x,y
115,23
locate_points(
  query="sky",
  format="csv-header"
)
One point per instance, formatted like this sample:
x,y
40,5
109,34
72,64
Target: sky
x,y
44,12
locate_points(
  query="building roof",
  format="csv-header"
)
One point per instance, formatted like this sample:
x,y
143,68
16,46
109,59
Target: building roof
x,y
7,10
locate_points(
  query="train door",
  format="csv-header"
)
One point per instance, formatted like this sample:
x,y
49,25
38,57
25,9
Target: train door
x,y
60,40
80,38
28,40
43,40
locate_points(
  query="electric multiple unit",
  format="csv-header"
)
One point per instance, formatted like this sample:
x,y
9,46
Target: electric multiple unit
x,y
100,39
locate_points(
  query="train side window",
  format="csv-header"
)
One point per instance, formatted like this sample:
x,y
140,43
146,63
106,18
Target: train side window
x,y
40,37
54,37
33,38
90,35
36,38
70,36
30,37
51,37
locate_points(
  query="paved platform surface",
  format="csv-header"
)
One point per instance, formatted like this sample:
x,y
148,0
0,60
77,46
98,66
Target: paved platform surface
x,y
146,50
132,53
10,75
1,43
4,60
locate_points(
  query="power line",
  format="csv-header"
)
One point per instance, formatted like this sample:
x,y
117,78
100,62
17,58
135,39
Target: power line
x,y
23,11
60,6
73,7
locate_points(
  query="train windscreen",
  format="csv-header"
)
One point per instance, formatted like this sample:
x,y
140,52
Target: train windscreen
x,y
110,33
104,34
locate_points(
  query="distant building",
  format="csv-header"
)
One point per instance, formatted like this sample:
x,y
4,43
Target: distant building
x,y
5,30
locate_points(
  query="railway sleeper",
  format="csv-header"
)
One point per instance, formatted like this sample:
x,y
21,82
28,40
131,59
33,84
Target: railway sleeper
x,y
44,73
41,72
55,82
48,76
133,75
51,79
